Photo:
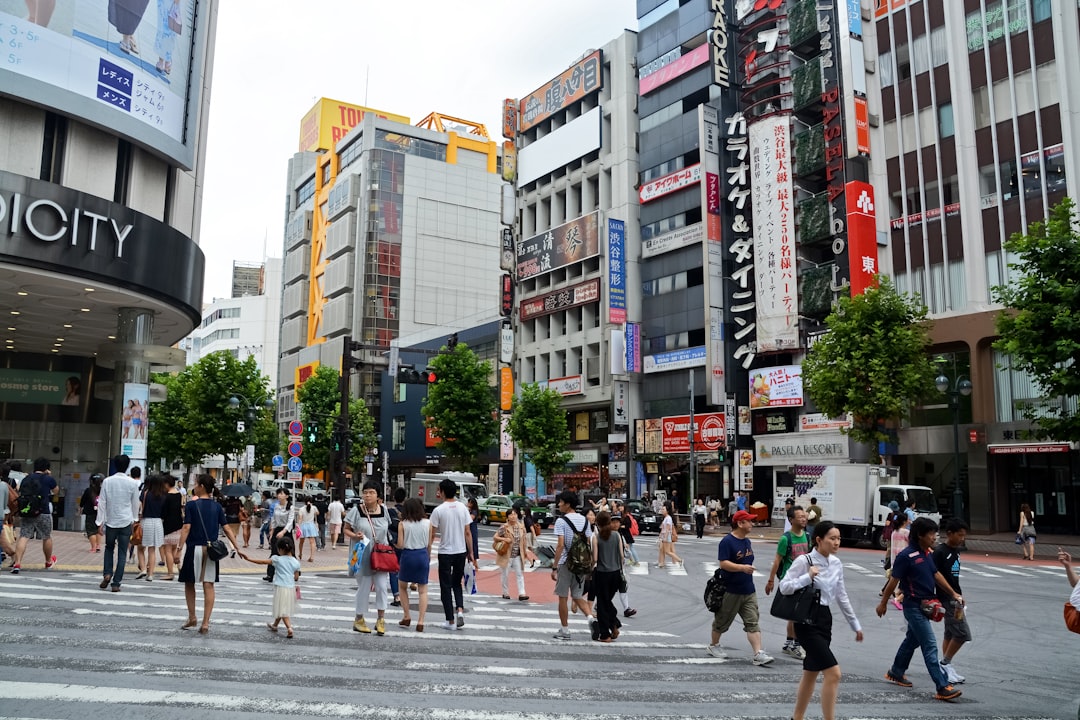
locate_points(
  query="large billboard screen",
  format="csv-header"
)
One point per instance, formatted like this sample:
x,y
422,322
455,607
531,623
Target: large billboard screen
x,y
120,64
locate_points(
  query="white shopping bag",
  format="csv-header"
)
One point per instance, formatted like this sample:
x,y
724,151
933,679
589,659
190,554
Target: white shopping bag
x,y
470,579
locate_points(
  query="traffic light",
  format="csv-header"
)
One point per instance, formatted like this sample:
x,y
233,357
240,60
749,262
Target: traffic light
x,y
409,375
429,376
313,431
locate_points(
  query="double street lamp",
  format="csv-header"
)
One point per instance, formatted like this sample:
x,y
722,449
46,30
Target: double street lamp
x,y
955,389
236,401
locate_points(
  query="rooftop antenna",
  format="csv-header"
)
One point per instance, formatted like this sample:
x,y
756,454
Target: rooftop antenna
x,y
367,76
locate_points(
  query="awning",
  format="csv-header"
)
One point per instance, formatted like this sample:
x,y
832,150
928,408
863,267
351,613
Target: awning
x,y
1028,448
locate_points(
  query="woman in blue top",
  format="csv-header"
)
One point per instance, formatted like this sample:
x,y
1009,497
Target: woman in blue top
x,y
203,517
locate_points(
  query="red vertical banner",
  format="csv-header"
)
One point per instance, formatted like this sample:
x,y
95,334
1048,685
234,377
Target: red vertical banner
x,y
862,235
862,127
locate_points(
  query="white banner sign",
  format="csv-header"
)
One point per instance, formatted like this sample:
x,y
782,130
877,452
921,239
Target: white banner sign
x,y
689,235
622,403
670,183
571,385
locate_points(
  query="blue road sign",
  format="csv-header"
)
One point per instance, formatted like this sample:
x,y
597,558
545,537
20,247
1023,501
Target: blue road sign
x,y
295,464
277,460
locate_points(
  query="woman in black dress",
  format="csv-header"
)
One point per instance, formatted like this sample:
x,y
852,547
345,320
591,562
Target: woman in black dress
x,y
203,518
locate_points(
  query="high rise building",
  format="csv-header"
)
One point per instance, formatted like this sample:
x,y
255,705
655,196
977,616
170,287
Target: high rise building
x,y
972,140
101,176
575,262
248,278
391,229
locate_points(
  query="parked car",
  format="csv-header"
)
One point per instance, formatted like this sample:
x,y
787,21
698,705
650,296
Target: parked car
x,y
493,508
647,520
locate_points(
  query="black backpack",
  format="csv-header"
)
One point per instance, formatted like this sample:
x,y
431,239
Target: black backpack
x,y
31,499
714,591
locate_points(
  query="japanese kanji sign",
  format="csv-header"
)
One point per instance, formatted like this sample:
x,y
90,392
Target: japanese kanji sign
x,y
558,247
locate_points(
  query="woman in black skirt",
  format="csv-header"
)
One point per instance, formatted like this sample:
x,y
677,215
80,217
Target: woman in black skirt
x,y
822,567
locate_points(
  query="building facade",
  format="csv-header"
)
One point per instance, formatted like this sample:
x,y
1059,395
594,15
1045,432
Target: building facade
x,y
392,229
975,141
100,201
574,262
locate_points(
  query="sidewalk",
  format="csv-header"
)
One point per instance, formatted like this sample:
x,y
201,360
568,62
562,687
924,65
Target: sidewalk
x,y
72,554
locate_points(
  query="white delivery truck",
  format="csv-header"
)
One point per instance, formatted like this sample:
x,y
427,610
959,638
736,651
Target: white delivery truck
x,y
855,497
425,485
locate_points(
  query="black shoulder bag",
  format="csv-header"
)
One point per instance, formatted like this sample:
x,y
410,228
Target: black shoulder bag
x,y
800,606
215,549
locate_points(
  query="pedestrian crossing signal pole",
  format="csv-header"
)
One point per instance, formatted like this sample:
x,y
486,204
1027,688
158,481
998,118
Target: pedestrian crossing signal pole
x,y
693,460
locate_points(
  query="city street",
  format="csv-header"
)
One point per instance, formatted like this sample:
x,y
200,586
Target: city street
x,y
71,650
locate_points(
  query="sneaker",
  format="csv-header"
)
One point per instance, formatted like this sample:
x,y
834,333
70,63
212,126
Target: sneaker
x,y
947,693
794,651
460,621
562,634
897,604
447,625
629,612
360,626
716,651
52,561
902,681
760,658
951,675
15,569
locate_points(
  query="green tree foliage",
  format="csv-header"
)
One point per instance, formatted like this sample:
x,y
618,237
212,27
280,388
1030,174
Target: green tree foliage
x,y
872,363
320,399
1040,329
460,406
196,420
539,429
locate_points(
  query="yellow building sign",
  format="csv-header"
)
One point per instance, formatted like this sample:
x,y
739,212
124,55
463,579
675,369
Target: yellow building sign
x,y
331,120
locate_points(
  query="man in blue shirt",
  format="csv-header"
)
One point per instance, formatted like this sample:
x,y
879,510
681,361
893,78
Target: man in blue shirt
x,y
914,569
736,558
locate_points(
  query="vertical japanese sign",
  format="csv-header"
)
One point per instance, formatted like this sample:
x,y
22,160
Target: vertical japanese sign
x,y
616,232
506,444
774,235
510,118
712,252
862,235
633,347
742,303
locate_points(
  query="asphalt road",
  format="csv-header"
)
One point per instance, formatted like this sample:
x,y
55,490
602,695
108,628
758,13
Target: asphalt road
x,y
71,650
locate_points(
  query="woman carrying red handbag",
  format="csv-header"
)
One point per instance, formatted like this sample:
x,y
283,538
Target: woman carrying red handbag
x,y
369,522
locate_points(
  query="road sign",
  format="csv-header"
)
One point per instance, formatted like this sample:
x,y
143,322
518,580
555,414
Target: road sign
x,y
296,428
277,461
295,448
295,464
293,476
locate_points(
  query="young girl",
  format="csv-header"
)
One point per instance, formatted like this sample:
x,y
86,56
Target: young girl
x,y
668,536
897,543
306,518
286,574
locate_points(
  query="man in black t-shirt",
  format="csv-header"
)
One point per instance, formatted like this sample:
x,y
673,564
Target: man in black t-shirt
x,y
947,562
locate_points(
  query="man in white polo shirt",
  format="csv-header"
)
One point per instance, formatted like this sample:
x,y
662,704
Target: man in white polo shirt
x,y
451,521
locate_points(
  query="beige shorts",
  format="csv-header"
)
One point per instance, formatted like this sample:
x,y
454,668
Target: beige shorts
x,y
744,606
568,584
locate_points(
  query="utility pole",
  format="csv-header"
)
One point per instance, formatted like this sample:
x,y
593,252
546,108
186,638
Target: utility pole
x,y
693,460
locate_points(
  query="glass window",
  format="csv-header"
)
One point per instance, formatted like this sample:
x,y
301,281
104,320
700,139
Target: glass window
x,y
939,47
920,54
1046,76
398,438
885,68
945,121
981,103
992,26
903,62
1040,10
657,13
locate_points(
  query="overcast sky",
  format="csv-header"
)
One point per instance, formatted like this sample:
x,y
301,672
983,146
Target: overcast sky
x,y
414,56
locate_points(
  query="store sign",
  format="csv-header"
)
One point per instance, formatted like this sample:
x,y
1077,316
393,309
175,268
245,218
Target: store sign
x,y
776,387
510,118
718,41
796,448
670,183
616,271
570,385
506,294
915,219
821,421
577,82
558,247
683,237
742,302
674,69
633,347
582,294
709,433
506,389
862,236
588,456
506,258
675,360
621,402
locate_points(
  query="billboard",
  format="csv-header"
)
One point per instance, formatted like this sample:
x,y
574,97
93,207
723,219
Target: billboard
x,y
573,296
774,235
134,423
331,120
709,432
40,387
677,68
670,183
579,80
776,387
123,69
862,236
558,247
616,271
675,360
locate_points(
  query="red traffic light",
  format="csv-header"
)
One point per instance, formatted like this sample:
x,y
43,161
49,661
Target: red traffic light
x,y
429,377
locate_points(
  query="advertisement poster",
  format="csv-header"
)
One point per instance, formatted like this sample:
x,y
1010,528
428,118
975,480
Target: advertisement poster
x,y
558,247
709,432
776,387
134,421
40,387
576,82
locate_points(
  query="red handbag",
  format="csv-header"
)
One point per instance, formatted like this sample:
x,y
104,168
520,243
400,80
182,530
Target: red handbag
x,y
383,557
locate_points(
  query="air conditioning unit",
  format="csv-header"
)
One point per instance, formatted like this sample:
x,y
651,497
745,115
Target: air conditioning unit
x,y
592,368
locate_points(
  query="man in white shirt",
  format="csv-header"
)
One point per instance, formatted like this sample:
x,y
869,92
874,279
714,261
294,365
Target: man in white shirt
x,y
451,521
335,511
569,586
118,509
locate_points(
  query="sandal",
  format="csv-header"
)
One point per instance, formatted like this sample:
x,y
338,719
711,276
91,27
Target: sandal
x,y
271,628
420,627
190,624
405,622
288,636
204,630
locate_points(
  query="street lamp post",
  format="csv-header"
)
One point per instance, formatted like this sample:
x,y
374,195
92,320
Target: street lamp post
x,y
251,413
963,387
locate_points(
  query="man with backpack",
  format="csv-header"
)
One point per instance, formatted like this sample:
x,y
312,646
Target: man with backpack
x,y
793,544
36,493
736,558
573,563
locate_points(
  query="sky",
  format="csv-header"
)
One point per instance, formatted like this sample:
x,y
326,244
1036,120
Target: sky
x,y
409,57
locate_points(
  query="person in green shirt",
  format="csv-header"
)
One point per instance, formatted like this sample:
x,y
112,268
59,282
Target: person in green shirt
x,y
793,543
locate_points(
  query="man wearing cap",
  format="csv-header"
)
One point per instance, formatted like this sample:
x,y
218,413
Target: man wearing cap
x,y
736,558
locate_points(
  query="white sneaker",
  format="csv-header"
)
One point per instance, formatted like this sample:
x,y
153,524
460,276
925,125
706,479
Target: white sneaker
x,y
953,677
795,651
447,625
761,658
562,634
716,651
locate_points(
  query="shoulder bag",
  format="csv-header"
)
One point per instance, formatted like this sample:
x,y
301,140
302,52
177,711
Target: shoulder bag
x,y
800,606
136,533
383,557
215,549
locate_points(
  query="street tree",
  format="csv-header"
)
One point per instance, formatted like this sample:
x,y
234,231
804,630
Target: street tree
x,y
320,400
1040,327
460,406
197,420
538,427
873,362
